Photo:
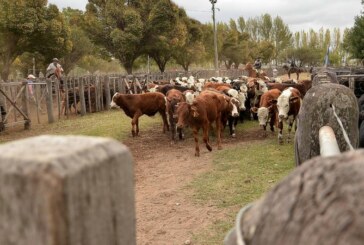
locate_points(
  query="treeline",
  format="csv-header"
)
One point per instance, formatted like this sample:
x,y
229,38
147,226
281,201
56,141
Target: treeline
x,y
128,31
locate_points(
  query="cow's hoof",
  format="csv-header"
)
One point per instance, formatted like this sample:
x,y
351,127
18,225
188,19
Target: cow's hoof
x,y
233,135
209,147
197,154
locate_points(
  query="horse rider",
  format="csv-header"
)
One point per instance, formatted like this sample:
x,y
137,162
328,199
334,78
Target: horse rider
x,y
52,68
258,64
293,63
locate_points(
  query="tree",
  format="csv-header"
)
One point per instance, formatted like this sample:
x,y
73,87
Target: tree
x,y
81,43
282,37
30,26
192,50
164,32
118,27
353,41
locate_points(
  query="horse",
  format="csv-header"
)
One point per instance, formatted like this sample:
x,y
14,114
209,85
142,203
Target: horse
x,y
294,69
252,72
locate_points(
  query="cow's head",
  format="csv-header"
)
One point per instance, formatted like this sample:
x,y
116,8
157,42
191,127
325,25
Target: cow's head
x,y
242,99
283,103
183,111
263,113
235,105
113,103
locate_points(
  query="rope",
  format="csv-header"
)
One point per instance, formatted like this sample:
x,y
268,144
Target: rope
x,y
346,137
238,230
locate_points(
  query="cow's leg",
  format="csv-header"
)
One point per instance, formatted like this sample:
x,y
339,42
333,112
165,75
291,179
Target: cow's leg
x,y
165,122
180,133
195,136
272,122
135,124
205,129
290,125
218,131
172,124
280,134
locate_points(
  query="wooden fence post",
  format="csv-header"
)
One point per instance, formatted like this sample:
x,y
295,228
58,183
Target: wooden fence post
x,y
80,191
107,93
49,100
82,97
25,106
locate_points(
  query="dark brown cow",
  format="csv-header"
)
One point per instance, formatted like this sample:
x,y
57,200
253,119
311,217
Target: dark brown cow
x,y
267,108
136,105
204,111
288,106
283,86
174,97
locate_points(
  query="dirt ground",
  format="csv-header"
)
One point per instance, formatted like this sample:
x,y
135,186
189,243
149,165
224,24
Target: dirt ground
x,y
166,213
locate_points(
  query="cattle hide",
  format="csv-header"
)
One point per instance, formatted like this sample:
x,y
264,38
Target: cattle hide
x,y
316,112
320,203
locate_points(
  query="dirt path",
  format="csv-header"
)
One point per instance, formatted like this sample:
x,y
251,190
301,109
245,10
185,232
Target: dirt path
x,y
165,212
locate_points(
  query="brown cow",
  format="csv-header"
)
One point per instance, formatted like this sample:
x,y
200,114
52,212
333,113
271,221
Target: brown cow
x,y
288,106
283,86
205,110
267,108
174,97
136,105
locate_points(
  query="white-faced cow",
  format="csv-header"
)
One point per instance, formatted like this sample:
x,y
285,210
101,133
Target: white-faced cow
x,y
267,108
288,106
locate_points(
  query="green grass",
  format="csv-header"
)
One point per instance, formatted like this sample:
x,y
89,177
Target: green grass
x,y
240,175
113,124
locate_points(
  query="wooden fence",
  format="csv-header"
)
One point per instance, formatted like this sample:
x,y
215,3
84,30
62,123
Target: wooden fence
x,y
48,100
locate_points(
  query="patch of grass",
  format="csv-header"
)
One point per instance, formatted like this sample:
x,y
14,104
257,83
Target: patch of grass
x,y
113,124
240,175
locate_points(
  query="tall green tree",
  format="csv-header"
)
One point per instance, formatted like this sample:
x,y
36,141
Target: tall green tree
x,y
281,37
116,25
31,26
354,40
192,49
164,32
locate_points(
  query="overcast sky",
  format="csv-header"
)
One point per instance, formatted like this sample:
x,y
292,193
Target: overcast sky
x,y
298,14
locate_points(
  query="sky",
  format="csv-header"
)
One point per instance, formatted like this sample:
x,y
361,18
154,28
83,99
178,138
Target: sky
x,y
297,14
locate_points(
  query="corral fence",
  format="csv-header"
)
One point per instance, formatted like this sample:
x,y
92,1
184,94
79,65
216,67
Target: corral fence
x,y
48,100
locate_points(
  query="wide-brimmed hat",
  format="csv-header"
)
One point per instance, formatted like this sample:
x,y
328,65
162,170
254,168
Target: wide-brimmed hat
x,y
55,59
30,76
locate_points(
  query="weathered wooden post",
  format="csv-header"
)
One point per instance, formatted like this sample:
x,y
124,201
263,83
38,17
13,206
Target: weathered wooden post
x,y
25,106
49,100
107,93
66,190
82,97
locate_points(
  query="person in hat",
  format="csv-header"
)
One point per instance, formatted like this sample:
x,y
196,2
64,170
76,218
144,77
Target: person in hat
x,y
53,67
30,80
258,64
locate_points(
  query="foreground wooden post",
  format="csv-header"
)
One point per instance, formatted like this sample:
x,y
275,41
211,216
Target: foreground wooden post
x,y
66,191
321,202
49,100
81,85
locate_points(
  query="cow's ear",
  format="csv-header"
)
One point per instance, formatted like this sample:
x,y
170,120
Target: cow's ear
x,y
274,102
254,109
294,99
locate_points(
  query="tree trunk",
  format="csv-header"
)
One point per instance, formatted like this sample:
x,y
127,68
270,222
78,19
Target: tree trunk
x,y
320,202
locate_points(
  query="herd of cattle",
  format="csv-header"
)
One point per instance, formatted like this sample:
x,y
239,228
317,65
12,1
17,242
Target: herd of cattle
x,y
202,103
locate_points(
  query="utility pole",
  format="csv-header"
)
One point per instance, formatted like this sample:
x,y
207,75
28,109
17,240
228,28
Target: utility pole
x,y
213,2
